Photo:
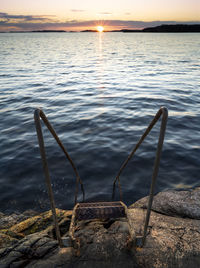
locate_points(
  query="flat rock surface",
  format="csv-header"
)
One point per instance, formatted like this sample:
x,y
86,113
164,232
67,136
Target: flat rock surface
x,y
171,241
175,203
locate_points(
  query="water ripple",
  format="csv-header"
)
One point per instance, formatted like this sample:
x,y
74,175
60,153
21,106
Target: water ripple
x,y
100,98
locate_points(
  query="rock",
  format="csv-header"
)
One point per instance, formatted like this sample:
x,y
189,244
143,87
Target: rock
x,y
30,241
119,226
174,203
42,222
30,213
8,221
171,241
6,239
2,215
104,243
27,250
61,257
39,223
173,238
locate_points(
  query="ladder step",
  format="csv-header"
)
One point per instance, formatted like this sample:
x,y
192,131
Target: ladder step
x,y
99,210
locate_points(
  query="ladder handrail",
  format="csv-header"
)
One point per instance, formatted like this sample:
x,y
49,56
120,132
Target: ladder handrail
x,y
37,115
164,112
40,114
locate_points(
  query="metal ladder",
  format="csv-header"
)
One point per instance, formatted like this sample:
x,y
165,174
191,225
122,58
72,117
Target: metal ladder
x,y
101,209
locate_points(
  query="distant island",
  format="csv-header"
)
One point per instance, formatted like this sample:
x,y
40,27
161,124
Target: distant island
x,y
164,28
168,28
48,31
177,28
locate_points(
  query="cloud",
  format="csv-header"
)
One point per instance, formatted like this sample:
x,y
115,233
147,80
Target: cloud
x,y
104,13
31,23
27,18
77,10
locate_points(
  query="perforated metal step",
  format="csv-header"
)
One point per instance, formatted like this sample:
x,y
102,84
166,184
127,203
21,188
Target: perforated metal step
x,y
99,210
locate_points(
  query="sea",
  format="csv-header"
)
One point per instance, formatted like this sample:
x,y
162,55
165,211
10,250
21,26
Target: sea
x,y
99,91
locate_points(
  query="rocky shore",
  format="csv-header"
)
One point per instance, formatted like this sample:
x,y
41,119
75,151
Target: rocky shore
x,y
173,240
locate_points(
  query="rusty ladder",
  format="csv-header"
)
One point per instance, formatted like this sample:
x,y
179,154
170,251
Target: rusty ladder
x,y
100,210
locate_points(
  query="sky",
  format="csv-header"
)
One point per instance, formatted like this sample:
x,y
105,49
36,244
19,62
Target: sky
x,y
77,15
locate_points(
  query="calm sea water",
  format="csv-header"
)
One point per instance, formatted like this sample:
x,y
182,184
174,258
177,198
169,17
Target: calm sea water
x,y
99,91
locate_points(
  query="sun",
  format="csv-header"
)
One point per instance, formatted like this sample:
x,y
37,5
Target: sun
x,y
100,28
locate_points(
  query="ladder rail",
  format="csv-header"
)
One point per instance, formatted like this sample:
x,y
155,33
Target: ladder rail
x,y
164,112
37,115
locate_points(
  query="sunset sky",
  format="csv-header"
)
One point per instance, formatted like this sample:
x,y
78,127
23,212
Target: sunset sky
x,y
87,14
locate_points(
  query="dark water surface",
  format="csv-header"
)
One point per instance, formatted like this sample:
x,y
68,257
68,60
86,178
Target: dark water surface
x,y
99,91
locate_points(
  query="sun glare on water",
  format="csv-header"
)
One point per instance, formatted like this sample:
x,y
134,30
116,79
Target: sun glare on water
x,y
100,29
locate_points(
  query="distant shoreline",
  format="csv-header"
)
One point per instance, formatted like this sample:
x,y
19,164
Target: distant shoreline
x,y
164,28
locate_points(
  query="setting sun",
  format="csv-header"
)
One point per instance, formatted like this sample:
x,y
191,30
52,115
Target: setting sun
x,y
100,29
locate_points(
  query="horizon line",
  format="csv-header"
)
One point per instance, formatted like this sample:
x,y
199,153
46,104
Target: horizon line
x,y
179,27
